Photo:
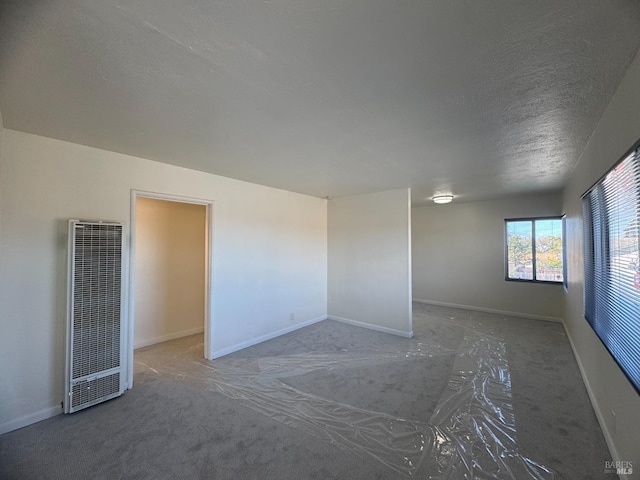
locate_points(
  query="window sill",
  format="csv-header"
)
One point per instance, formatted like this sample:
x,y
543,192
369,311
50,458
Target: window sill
x,y
524,280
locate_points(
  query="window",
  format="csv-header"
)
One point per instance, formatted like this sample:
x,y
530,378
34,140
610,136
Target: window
x,y
534,249
565,281
611,217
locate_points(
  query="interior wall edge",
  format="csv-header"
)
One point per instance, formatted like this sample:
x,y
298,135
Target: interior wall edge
x,y
263,338
491,310
371,326
165,338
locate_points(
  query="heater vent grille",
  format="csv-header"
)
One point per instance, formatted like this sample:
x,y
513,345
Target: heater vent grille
x,y
87,392
94,337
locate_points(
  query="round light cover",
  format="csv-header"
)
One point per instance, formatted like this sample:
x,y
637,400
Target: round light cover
x,y
442,198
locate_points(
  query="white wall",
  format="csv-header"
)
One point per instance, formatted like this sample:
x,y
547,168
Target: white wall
x,y
169,270
269,256
458,257
617,131
370,261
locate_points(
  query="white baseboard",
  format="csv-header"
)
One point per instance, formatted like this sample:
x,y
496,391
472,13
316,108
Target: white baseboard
x,y
377,328
490,310
263,338
166,338
29,419
594,403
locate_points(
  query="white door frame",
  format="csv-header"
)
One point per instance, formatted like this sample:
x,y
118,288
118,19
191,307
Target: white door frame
x,y
208,275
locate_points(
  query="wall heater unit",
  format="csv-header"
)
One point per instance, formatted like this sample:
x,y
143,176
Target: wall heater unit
x,y
94,360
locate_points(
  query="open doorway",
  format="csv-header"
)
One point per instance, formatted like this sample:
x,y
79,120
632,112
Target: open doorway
x,y
170,271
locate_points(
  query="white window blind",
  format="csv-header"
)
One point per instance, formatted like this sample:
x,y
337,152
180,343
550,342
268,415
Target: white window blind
x,y
611,219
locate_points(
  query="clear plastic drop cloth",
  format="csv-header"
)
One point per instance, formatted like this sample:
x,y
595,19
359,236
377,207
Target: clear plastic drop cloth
x,y
471,434
474,420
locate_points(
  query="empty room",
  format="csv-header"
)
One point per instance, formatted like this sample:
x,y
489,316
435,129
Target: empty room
x,y
319,240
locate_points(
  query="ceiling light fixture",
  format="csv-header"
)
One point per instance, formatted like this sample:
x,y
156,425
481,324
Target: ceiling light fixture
x,y
442,198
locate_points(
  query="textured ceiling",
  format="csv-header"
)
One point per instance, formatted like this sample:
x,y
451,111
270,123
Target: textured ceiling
x,y
328,98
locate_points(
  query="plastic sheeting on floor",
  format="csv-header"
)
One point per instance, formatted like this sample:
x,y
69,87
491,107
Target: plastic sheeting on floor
x,y
470,435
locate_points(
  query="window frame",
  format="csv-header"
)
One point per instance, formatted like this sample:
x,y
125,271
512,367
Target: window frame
x,y
533,249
